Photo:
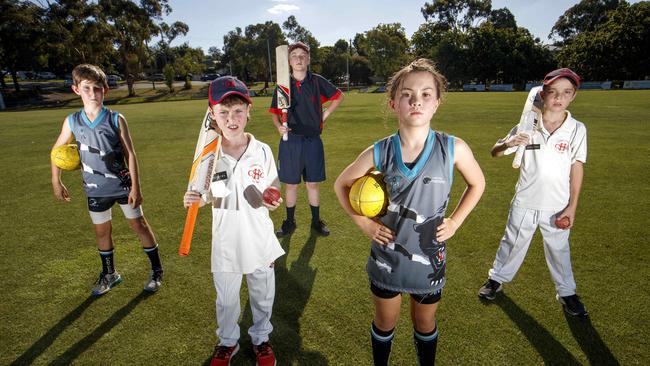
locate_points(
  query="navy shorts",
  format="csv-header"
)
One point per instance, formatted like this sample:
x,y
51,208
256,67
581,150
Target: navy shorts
x,y
100,204
301,157
422,299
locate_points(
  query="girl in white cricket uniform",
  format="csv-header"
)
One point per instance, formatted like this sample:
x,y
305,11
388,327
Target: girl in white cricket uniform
x,y
243,239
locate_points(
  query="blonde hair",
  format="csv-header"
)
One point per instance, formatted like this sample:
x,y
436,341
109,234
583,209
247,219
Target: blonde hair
x,y
89,72
421,64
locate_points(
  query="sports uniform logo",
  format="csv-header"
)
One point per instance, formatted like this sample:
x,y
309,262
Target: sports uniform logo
x,y
562,146
256,173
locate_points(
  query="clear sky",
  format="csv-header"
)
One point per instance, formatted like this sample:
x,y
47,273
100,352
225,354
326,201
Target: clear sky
x,y
331,20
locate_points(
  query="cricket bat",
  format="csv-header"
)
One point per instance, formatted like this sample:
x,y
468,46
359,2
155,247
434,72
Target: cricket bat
x,y
205,154
530,116
283,87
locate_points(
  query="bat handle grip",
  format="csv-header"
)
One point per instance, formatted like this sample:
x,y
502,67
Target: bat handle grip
x,y
188,230
285,136
516,162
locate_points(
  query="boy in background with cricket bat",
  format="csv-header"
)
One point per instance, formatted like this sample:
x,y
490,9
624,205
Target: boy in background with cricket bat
x,y
546,195
302,154
242,231
110,174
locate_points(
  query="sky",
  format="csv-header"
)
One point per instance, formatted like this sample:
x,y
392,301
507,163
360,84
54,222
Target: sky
x,y
331,20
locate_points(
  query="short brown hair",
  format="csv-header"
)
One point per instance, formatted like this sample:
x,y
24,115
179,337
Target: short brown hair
x,y
421,64
89,72
233,99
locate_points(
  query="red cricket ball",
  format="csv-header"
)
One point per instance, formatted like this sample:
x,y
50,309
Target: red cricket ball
x,y
562,223
271,194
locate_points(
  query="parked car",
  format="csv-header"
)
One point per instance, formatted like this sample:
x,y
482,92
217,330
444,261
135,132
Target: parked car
x,y
114,77
209,77
45,75
157,77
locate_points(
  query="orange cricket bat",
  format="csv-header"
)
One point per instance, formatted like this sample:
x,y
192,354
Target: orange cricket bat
x,y
205,154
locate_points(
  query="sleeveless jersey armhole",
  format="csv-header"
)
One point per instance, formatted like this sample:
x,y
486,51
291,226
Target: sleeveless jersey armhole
x,y
116,120
70,119
376,156
450,148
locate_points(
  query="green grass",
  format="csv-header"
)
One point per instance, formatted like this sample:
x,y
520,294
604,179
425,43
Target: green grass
x,y
323,308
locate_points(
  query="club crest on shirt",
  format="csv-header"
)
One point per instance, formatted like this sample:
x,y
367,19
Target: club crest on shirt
x,y
256,173
562,146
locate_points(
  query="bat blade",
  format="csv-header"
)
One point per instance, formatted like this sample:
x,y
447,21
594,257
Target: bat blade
x,y
205,155
283,89
528,120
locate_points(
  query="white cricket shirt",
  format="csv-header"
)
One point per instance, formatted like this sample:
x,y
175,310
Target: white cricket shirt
x,y
243,238
544,175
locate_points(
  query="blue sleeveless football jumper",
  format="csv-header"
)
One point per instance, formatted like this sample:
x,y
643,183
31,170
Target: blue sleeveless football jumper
x,y
418,197
104,170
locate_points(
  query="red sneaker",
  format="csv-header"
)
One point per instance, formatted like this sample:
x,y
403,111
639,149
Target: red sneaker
x,y
222,355
264,354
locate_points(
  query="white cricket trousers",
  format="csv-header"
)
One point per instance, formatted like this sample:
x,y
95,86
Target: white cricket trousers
x,y
521,226
261,293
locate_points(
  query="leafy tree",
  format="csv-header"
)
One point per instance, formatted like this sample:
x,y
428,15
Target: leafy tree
x,y
75,35
618,48
386,47
169,73
583,17
133,25
187,61
456,15
21,37
360,70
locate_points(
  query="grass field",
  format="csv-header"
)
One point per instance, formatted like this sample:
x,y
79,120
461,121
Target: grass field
x,y
322,314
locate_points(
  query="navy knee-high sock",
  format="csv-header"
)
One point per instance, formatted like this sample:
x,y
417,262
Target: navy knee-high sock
x,y
382,342
425,346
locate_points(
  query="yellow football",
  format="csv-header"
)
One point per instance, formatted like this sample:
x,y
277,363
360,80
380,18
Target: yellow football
x,y
368,195
66,157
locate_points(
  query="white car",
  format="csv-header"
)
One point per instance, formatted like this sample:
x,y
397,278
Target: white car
x,y
45,75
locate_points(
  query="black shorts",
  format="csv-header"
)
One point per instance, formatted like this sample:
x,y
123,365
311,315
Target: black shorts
x,y
422,299
101,204
301,157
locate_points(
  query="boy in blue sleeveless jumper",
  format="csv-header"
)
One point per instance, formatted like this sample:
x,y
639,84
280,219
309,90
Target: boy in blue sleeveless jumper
x,y
110,174
408,243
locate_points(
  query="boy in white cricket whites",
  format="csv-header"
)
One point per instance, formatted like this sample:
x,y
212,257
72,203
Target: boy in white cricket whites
x,y
243,242
110,174
547,192
408,250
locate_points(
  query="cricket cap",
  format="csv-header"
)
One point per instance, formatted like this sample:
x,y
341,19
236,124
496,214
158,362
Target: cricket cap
x,y
298,45
562,73
225,86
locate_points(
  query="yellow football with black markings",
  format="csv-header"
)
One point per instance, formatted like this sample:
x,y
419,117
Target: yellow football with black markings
x,y
368,195
66,157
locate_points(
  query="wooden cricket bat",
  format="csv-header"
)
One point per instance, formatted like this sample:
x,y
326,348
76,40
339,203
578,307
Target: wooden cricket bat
x,y
283,87
205,154
530,116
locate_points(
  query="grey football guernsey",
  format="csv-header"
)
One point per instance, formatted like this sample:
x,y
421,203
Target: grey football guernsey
x,y
104,170
418,196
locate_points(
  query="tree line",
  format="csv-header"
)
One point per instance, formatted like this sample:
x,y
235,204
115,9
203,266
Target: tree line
x,y
470,41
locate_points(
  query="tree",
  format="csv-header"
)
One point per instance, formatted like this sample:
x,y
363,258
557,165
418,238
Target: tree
x,y
21,37
187,61
618,48
456,15
583,17
75,35
133,26
386,47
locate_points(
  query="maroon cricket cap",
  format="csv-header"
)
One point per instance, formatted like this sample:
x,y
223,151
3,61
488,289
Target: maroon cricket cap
x,y
562,73
298,45
225,86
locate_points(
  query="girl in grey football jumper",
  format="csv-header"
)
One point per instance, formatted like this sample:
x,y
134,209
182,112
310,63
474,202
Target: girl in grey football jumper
x,y
408,243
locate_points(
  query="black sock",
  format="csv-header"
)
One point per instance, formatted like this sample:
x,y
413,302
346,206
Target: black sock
x,y
154,258
291,211
315,213
382,341
107,261
425,346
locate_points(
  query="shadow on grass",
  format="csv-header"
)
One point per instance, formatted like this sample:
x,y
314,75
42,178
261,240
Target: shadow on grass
x,y
48,338
551,351
86,342
293,288
590,342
